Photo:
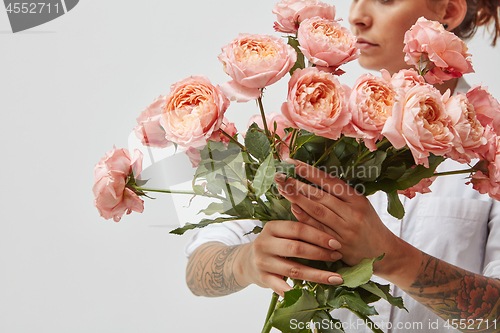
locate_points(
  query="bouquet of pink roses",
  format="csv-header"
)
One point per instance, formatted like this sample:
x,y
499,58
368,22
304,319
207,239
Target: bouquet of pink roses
x,y
386,133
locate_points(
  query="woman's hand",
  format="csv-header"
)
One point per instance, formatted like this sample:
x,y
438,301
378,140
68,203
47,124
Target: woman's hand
x,y
337,209
265,260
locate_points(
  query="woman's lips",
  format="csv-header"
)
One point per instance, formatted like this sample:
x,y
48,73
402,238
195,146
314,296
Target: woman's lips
x,y
363,44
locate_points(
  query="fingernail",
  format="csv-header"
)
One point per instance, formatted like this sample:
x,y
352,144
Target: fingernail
x,y
336,256
335,279
334,244
290,161
296,209
279,177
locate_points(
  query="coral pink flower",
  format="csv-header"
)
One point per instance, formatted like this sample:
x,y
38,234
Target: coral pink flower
x,y
193,111
291,12
444,54
421,187
370,104
469,131
406,79
317,102
281,124
148,128
255,62
111,196
486,106
487,178
420,121
326,43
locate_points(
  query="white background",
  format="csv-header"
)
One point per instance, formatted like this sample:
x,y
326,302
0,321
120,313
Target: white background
x,y
70,90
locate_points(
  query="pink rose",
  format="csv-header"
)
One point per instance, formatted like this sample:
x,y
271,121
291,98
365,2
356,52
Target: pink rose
x,y
281,124
487,178
406,79
316,102
111,196
486,106
193,153
291,12
148,128
193,111
468,130
421,187
420,121
326,43
255,62
370,104
430,46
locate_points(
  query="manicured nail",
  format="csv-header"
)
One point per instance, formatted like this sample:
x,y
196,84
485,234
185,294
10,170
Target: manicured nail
x,y
279,177
296,209
335,279
290,161
334,244
336,256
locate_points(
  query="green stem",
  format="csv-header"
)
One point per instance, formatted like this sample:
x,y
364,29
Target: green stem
x,y
269,324
263,115
163,191
328,151
272,306
292,142
144,189
234,141
457,172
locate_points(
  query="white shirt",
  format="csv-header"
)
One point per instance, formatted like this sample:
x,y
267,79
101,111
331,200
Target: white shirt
x,y
454,223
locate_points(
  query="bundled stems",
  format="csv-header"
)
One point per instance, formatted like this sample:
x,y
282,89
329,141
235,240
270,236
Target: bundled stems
x,y
272,307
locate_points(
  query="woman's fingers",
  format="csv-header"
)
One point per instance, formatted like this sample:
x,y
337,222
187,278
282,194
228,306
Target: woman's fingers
x,y
328,183
303,217
300,233
277,267
318,204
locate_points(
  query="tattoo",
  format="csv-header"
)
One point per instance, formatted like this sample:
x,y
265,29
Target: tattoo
x,y
454,293
210,270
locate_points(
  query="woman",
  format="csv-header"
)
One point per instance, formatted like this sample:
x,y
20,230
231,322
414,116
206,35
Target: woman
x,y
443,257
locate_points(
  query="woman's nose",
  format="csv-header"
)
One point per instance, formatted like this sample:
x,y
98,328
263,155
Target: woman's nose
x,y
359,15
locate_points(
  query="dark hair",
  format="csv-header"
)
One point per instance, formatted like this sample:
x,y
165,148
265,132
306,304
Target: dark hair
x,y
479,13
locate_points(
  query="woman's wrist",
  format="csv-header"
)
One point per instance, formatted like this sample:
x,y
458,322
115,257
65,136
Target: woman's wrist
x,y
400,264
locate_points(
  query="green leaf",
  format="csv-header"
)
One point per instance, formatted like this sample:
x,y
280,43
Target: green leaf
x,y
198,189
285,168
213,208
282,208
302,311
414,175
326,324
353,301
354,276
257,142
264,177
291,297
396,172
371,168
300,63
202,224
394,206
256,230
383,291
240,209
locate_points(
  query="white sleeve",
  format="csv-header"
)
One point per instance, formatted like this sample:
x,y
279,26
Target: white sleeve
x,y
492,249
229,233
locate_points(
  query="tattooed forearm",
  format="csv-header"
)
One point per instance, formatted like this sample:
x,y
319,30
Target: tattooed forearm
x,y
210,270
454,293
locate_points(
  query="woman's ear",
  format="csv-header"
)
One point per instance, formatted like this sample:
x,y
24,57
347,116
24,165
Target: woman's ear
x,y
454,13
